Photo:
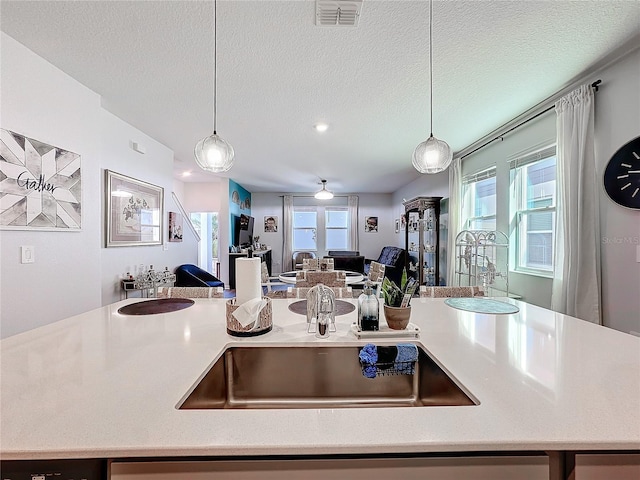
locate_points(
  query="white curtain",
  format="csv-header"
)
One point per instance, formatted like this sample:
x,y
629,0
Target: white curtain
x,y
455,204
576,283
287,232
353,222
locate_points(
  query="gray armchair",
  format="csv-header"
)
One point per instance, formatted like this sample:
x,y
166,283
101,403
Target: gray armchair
x,y
299,256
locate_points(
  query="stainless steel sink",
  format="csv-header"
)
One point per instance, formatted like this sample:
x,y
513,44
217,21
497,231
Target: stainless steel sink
x,y
316,377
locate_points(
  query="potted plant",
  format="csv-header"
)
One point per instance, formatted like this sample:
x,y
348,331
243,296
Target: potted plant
x,y
397,299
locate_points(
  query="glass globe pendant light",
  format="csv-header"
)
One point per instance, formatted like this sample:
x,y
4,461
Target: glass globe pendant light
x,y
213,153
432,155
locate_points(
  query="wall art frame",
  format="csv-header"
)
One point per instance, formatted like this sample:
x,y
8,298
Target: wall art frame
x,y
270,224
40,187
175,227
371,224
134,210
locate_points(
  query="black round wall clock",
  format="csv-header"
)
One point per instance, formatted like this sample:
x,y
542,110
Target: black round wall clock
x,y
622,175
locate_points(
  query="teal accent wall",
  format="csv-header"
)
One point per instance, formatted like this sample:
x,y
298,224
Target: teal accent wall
x,y
239,202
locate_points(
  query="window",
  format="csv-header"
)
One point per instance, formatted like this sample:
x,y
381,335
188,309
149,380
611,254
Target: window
x,y
533,182
305,227
479,200
320,228
336,229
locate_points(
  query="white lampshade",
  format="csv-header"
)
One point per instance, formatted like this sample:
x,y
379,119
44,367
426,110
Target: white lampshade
x,y
214,154
432,156
324,194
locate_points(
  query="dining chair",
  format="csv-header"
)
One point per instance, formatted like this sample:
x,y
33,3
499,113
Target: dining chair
x,y
376,272
326,264
269,282
448,292
190,292
301,292
310,264
299,256
310,278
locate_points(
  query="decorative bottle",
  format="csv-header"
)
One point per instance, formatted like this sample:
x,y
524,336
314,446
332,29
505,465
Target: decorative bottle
x,y
368,309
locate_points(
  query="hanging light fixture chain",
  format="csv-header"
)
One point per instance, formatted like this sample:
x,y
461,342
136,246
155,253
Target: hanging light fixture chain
x,y
432,155
215,64
213,153
431,67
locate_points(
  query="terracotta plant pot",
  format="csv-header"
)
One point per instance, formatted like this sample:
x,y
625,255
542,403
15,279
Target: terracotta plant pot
x,y
397,317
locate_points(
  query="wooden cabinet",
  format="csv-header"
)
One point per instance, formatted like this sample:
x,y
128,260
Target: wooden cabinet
x,y
422,239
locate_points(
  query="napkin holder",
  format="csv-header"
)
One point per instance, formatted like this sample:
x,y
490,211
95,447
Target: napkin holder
x,y
264,321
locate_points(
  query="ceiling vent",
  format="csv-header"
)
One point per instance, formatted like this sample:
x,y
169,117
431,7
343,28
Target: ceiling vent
x,y
338,13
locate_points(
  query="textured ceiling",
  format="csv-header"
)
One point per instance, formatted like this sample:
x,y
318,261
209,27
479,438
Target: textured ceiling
x,y
279,74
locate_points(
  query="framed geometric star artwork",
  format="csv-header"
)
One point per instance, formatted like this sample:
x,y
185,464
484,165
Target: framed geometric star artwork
x,y
40,185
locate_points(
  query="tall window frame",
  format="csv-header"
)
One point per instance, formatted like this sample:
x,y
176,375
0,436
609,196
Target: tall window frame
x,y
305,229
533,201
329,231
479,200
336,228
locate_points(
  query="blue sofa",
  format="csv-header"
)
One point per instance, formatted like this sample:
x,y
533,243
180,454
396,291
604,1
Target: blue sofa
x,y
394,259
189,275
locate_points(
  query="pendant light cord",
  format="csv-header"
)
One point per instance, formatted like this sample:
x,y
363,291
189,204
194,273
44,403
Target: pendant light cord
x,y
215,63
431,67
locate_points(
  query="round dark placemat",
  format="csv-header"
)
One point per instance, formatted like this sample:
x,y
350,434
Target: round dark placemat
x,y
151,307
342,307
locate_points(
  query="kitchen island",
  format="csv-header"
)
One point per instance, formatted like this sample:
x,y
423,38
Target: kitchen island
x,y
102,385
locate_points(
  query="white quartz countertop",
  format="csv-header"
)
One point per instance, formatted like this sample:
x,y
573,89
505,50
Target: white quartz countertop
x,y
102,384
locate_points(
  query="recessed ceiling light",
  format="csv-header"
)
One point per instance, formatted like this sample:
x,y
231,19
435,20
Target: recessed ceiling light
x,y
187,173
321,127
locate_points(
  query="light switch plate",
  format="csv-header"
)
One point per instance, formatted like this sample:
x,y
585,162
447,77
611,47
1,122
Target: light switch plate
x,y
638,253
28,254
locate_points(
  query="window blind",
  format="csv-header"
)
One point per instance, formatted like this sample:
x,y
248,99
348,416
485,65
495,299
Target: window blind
x,y
530,157
482,175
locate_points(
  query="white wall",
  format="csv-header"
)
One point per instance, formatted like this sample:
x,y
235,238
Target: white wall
x,y
73,272
41,102
376,205
205,197
155,167
618,121
424,186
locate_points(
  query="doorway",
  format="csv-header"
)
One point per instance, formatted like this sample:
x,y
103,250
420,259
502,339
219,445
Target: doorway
x,y
206,224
